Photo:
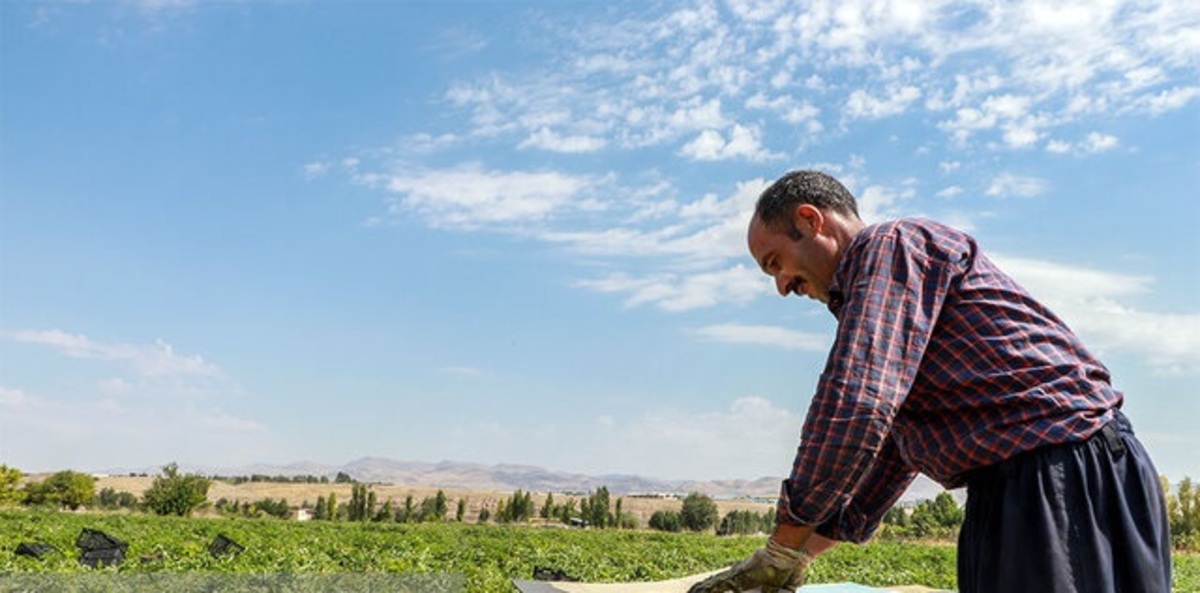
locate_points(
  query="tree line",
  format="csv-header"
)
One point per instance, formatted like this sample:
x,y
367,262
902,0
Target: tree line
x,y
171,493
175,493
938,518
364,506
277,479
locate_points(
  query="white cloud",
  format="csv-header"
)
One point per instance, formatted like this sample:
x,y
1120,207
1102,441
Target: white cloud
x,y
547,139
157,360
700,233
92,432
1007,106
681,292
967,88
1021,135
425,143
1048,66
765,335
877,203
315,169
743,143
967,121
1097,142
1094,142
949,192
471,197
1167,100
1007,185
1058,146
860,104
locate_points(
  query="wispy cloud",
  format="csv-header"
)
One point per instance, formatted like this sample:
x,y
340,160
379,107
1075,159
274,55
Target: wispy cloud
x,y
1048,63
1006,185
470,196
148,409
742,142
315,169
1094,142
547,139
94,431
766,335
682,292
153,360
895,101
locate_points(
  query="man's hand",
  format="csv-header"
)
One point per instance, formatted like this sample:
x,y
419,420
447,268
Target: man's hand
x,y
771,569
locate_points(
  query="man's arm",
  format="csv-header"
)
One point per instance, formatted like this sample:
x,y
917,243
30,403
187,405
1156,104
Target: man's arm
x,y
879,489
794,536
817,544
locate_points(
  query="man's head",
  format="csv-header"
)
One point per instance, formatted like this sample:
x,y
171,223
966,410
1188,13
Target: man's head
x,y
801,226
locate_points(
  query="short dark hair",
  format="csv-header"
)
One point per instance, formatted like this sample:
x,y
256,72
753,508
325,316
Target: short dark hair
x,y
778,202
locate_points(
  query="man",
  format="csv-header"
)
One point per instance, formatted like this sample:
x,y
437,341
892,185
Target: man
x,y
944,365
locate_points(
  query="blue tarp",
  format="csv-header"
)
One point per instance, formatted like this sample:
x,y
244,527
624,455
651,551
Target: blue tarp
x,y
839,588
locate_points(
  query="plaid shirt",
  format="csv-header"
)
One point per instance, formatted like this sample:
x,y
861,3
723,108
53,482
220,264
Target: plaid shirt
x,y
941,364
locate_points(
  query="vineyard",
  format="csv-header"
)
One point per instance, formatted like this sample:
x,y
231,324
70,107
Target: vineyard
x,y
482,557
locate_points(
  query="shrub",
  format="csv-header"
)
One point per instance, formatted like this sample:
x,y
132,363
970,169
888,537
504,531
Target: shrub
x,y
174,494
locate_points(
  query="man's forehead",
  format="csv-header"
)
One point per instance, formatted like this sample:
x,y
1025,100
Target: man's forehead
x,y
757,236
758,231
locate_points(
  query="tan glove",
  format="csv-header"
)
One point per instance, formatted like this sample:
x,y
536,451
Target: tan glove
x,y
772,569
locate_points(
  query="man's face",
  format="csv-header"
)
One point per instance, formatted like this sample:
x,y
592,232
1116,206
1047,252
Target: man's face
x,y
801,262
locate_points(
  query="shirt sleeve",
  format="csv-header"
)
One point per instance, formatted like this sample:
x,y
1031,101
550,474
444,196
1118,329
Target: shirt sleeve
x,y
882,486
893,291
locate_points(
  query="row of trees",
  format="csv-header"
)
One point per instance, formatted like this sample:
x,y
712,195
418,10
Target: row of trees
x,y
940,518
1183,513
697,513
364,506
266,507
276,479
170,494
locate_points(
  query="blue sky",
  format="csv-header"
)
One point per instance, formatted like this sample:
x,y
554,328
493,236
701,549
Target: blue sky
x,y
513,232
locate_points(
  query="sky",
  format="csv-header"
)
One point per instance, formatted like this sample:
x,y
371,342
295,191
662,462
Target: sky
x,y
514,232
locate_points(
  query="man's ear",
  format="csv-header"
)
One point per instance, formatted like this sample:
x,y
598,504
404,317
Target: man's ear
x,y
808,219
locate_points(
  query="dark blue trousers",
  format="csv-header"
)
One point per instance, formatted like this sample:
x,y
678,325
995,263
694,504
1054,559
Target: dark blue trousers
x,y
1084,517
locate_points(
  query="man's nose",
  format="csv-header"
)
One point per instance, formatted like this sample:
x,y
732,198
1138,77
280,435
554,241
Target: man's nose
x,y
781,284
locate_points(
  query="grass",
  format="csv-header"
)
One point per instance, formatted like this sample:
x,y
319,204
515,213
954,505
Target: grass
x,y
486,557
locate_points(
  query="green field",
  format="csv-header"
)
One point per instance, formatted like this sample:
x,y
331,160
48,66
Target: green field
x,y
486,556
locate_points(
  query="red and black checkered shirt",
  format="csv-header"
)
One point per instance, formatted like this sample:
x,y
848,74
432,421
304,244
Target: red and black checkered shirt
x,y
942,364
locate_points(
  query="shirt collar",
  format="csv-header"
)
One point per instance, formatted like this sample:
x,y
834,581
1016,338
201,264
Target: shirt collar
x,y
837,297
836,300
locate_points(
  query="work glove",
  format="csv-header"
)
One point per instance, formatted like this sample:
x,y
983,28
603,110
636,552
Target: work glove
x,y
771,569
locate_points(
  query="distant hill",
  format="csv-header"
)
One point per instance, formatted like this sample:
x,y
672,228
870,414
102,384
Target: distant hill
x,y
510,477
